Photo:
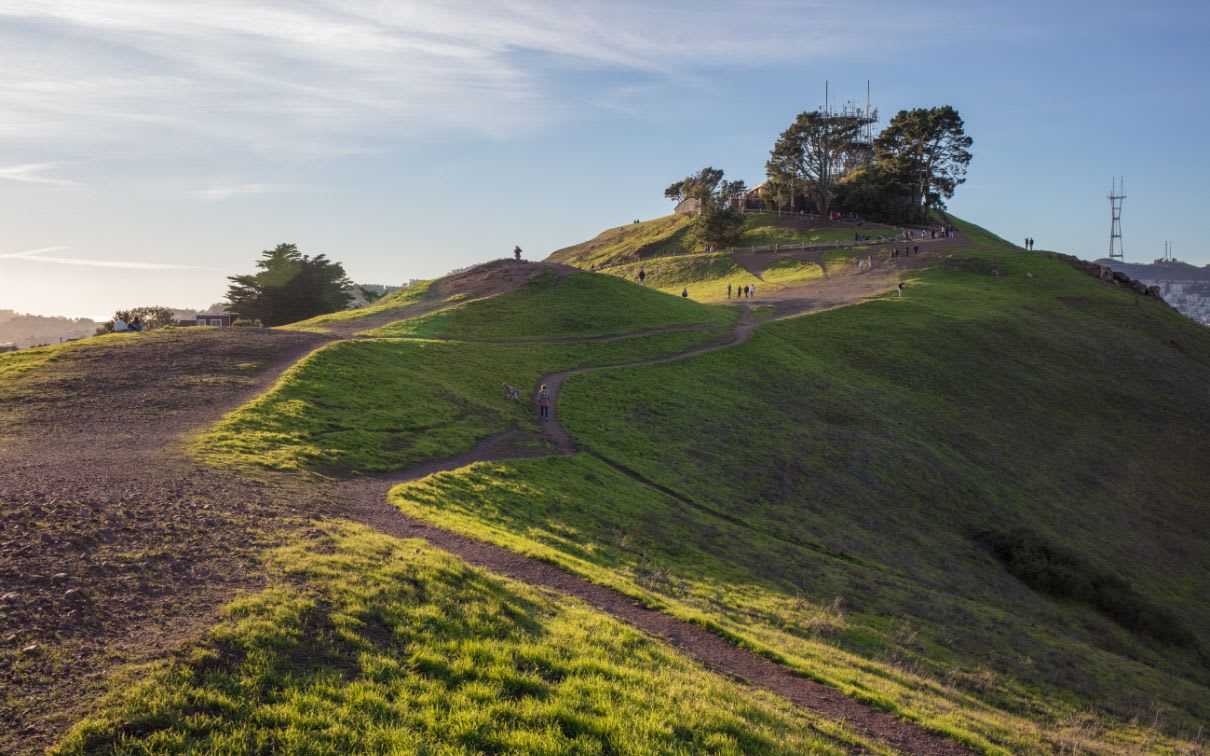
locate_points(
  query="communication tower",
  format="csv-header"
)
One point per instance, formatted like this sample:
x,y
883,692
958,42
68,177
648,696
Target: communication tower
x,y
859,151
1116,195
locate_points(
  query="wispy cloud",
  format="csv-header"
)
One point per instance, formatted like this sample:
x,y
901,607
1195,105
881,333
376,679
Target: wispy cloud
x,y
220,193
335,74
43,255
32,174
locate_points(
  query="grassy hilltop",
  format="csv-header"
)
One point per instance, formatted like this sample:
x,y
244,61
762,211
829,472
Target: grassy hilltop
x,y
980,506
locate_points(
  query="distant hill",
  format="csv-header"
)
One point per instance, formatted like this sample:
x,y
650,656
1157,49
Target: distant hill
x,y
29,330
1159,270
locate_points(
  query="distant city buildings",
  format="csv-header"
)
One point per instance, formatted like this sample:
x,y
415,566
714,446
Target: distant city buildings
x,y
1184,286
1190,298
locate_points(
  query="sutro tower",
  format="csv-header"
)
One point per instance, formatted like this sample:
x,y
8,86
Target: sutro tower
x,y
1116,195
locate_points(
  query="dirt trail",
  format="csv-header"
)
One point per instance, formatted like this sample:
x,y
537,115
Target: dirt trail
x,y
367,503
118,547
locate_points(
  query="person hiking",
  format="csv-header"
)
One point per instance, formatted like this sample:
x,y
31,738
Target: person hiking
x,y
901,289
728,291
517,252
869,262
745,296
685,292
642,275
752,292
915,249
544,403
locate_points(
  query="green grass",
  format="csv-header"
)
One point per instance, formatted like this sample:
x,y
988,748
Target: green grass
x,y
662,236
579,305
375,405
976,404
368,644
15,365
762,229
705,275
397,300
792,272
666,237
977,235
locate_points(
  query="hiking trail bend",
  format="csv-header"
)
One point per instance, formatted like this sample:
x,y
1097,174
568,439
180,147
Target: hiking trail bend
x,y
134,483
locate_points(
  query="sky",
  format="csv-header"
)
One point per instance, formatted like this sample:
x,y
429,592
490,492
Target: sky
x,y
149,149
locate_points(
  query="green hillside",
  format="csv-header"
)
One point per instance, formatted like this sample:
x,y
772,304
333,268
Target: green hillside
x,y
552,307
667,236
427,389
369,644
662,236
973,494
980,506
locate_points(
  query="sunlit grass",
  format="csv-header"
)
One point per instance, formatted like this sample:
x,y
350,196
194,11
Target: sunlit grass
x,y
579,305
368,644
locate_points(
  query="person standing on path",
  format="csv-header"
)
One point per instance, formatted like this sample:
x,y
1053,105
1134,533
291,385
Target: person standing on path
x,y
642,276
728,291
752,292
544,403
517,252
869,262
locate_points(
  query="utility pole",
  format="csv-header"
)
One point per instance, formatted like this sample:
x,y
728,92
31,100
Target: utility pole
x,y
1116,195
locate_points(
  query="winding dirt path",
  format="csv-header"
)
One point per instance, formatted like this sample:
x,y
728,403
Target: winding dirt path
x,y
156,544
369,504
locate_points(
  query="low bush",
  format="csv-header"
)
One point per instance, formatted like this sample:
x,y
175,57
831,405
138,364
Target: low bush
x,y
1051,569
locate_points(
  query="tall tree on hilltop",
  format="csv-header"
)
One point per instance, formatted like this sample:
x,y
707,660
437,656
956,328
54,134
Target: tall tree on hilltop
x,y
717,222
290,287
930,148
810,154
698,186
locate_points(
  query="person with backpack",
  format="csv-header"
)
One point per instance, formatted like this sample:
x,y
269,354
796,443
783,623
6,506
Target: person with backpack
x,y
517,252
544,403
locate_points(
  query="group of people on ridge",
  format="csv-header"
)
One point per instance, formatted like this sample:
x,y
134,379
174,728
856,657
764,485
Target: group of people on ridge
x,y
747,292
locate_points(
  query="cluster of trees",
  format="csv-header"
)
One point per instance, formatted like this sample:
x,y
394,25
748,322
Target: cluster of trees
x,y
717,222
820,163
153,316
916,163
289,287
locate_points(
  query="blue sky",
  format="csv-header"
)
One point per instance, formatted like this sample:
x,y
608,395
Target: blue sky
x,y
149,149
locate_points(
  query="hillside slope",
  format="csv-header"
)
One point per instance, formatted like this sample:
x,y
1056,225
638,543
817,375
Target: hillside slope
x,y
974,491
979,506
669,236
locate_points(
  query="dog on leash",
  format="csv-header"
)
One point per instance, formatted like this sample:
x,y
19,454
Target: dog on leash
x,y
510,392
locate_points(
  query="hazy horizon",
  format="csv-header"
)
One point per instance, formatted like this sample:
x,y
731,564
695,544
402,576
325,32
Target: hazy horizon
x,y
148,151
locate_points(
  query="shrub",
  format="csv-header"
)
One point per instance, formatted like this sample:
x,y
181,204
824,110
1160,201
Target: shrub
x,y
1051,569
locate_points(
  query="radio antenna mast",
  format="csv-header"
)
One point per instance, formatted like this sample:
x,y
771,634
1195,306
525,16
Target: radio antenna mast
x,y
1116,195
